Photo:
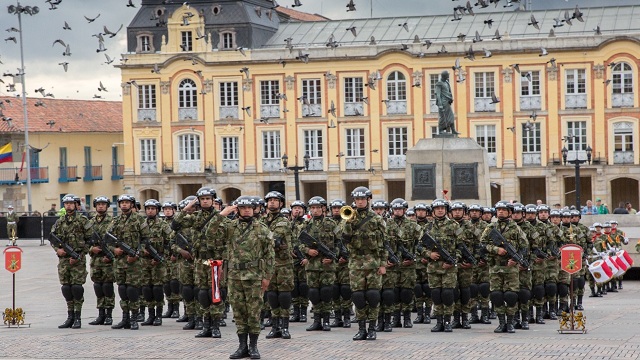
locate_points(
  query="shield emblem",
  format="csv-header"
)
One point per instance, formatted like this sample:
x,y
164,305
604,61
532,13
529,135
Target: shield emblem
x,y
571,258
13,259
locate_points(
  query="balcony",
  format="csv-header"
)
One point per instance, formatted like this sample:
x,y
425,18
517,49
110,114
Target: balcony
x,y
68,174
92,173
354,163
230,166
623,157
13,176
312,110
315,164
187,114
483,105
492,159
271,165
396,107
532,102
575,101
189,167
531,158
147,115
148,167
622,100
270,111
433,108
397,161
228,112
353,109
117,172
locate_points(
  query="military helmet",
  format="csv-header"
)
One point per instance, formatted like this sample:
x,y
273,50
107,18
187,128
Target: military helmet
x,y
606,225
576,213
399,203
420,206
555,212
566,213
476,207
502,204
591,228
152,203
206,191
361,192
440,203
487,210
126,197
299,203
543,207
285,211
531,209
76,198
69,198
218,201
378,204
317,200
458,205
518,207
597,224
411,212
101,199
613,222
170,204
338,203
246,200
274,195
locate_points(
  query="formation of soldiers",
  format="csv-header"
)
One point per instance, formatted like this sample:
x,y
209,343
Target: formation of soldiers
x,y
457,264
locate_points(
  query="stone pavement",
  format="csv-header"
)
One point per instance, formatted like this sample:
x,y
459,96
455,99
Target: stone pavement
x,y
612,323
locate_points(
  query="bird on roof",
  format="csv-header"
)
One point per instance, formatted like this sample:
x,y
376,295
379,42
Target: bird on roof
x,y
497,36
597,30
477,38
442,50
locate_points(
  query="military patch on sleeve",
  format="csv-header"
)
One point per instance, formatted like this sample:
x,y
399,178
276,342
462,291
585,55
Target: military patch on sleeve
x,y
459,231
143,225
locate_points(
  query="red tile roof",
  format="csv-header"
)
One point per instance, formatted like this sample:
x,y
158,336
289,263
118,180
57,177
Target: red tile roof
x,y
69,115
296,15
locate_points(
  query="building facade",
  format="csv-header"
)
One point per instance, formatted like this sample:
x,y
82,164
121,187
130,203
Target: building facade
x,y
218,94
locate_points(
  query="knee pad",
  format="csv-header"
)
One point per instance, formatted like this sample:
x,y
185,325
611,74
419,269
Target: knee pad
x,y
304,289
272,298
497,298
122,291
448,296
295,292
551,289
66,292
326,294
77,291
335,292
107,289
436,296
578,282
510,298
484,289
418,291
538,292
314,295
158,294
396,293
133,293
174,285
284,298
465,295
426,290
345,292
524,295
406,296
456,295
373,298
147,293
98,288
563,290
166,288
388,298
204,297
473,291
187,293
357,297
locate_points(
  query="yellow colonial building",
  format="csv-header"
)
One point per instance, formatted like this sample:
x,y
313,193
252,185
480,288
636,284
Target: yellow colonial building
x,y
218,94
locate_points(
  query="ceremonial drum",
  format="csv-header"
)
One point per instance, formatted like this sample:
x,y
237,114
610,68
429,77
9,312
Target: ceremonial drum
x,y
601,271
611,261
625,258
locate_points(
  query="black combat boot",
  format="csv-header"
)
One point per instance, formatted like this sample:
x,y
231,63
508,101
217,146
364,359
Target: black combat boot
x,y
384,322
517,324
552,311
464,319
295,314
397,322
269,320
191,323
284,328
124,323
215,329
502,324
371,334
253,346
77,320
317,324
492,313
539,319
620,284
603,289
140,317
184,317
579,303
427,315
484,317
275,330
169,311
439,325
456,320
150,318
175,314
222,323
407,319
525,319
474,319
509,328
158,320
564,307
133,322
303,314
198,323
108,318
532,319
243,350
611,285
325,321
446,323
337,319
69,322
546,314
347,318
362,330
420,315
206,328
100,319
593,292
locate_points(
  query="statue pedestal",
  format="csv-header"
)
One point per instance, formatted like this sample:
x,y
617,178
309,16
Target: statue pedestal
x,y
446,162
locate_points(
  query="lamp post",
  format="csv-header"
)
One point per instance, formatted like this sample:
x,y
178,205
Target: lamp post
x,y
296,170
577,162
29,10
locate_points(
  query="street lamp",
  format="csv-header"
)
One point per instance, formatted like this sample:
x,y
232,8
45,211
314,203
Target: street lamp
x,y
29,10
577,162
296,170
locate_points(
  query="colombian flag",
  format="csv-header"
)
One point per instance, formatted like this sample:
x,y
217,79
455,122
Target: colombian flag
x,y
5,153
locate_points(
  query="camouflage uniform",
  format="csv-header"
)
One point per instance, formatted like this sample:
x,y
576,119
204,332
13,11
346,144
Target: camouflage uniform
x,y
525,276
12,226
579,280
462,307
342,288
300,290
186,275
539,264
409,235
388,294
480,275
102,273
422,289
170,283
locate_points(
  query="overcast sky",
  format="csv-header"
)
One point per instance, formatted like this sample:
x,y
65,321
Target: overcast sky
x,y
87,68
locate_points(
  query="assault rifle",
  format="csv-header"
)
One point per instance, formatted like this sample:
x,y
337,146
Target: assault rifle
x,y
553,249
430,243
392,257
499,240
183,243
299,256
56,241
467,255
344,253
155,255
406,254
482,253
104,248
308,240
111,239
541,254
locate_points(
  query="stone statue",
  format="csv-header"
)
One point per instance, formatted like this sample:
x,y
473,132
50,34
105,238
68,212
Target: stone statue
x,y
444,99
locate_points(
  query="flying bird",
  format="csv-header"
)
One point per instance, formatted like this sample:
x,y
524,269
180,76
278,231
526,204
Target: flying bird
x,y
558,22
353,30
247,109
40,90
567,17
245,71
241,50
332,109
101,47
130,4
516,67
11,38
351,6
102,88
37,150
552,61
512,128
109,60
405,26
110,33
456,17
461,37
427,43
543,52
66,26
296,3
497,36
487,53
470,54
97,96
264,119
577,14
494,98
59,41
92,20
302,57
489,22
65,66
156,69
477,38
534,22
597,30
67,51
534,115
442,50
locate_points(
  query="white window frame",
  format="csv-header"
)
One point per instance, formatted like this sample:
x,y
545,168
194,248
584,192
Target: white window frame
x,y
189,147
230,148
146,96
268,92
145,43
148,150
531,140
312,89
398,140
530,88
485,84
313,142
622,81
575,81
187,94
396,86
187,40
271,148
227,40
353,89
229,93
486,137
578,129
355,142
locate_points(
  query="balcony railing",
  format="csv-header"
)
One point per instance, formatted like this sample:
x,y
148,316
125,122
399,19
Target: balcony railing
x,y
189,167
397,107
354,163
532,158
575,101
270,111
353,109
148,167
532,102
230,166
117,172
148,115
271,165
316,164
68,174
312,110
493,159
12,176
397,161
623,157
92,173
228,112
622,100
483,105
188,114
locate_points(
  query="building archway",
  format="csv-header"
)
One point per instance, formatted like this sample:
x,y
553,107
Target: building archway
x,y
623,190
229,194
148,194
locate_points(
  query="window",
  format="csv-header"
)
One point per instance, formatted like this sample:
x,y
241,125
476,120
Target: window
x,y
530,87
576,81
486,137
397,141
622,78
187,100
485,85
227,41
531,137
312,90
87,155
355,142
230,148
146,97
187,44
433,80
577,129
623,142
145,43
313,143
271,145
63,157
229,93
269,91
353,89
189,147
396,86
148,150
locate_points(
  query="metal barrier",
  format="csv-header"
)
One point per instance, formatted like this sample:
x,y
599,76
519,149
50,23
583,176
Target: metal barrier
x,y
29,227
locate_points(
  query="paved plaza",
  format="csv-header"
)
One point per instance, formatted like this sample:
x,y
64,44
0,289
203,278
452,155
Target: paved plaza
x,y
612,323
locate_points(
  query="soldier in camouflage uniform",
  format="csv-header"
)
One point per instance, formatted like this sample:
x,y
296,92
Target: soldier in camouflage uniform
x,y
422,290
102,270
553,264
320,269
480,284
443,274
342,288
580,239
74,230
300,286
521,318
153,271
171,285
251,256
12,225
363,235
540,256
466,269
570,233
279,292
388,294
130,229
504,271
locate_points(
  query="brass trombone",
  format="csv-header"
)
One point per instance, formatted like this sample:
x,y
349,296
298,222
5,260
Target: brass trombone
x,y
347,213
